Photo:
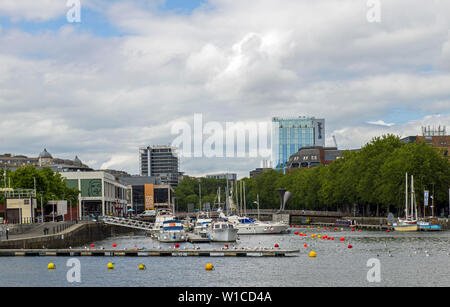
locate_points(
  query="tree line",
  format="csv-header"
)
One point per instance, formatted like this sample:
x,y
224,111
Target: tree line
x,y
370,181
49,185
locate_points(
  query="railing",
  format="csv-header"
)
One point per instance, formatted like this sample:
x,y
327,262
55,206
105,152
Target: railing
x,y
130,223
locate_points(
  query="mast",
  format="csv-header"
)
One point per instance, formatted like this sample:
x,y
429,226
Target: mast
x,y
227,201
245,202
257,202
412,196
406,197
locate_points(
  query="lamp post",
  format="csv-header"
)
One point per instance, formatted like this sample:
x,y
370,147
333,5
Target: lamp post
x,y
53,213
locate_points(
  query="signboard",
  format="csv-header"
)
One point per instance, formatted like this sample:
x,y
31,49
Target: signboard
x,y
206,206
426,196
149,192
60,206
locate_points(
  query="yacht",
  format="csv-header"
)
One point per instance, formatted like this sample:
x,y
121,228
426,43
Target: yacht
x,y
162,216
172,231
249,226
409,223
223,231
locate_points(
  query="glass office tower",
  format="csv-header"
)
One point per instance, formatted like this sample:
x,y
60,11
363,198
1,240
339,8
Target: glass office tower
x,y
291,134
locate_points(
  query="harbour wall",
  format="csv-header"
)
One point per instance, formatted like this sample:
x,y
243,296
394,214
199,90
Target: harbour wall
x,y
77,235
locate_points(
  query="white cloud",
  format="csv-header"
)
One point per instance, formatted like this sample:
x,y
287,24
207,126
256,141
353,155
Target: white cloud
x,y
381,123
102,98
33,10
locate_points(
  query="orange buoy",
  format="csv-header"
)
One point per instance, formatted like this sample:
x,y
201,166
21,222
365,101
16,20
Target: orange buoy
x,y
92,245
114,245
342,239
177,245
349,246
276,245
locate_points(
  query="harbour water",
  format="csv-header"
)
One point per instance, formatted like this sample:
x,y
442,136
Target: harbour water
x,y
406,259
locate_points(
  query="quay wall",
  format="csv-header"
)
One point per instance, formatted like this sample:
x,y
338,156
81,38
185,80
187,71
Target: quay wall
x,y
78,235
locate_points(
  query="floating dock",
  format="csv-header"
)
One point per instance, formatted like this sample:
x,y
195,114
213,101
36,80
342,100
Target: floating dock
x,y
275,252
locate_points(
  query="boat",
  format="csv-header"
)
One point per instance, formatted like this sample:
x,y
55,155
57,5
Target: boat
x,y
409,223
250,226
202,224
428,223
429,226
172,231
162,216
223,231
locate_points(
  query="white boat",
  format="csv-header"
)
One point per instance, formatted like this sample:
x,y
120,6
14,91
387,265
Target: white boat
x,y
409,223
249,226
223,231
162,216
172,231
202,225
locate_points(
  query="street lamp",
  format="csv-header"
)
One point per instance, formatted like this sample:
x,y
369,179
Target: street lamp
x,y
53,213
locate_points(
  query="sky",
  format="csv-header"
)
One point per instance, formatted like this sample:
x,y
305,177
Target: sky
x,y
123,76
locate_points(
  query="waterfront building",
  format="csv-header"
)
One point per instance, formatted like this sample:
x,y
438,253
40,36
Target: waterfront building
x,y
290,134
147,193
435,137
45,159
21,206
159,161
229,176
311,156
100,193
258,171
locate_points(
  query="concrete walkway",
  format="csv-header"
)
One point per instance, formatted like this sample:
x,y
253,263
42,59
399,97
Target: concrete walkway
x,y
37,231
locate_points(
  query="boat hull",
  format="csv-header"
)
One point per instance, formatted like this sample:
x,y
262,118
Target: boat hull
x,y
430,227
407,227
224,235
171,237
254,229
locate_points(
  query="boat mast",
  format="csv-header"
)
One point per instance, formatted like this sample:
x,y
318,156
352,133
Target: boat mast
x,y
406,197
245,203
412,197
227,201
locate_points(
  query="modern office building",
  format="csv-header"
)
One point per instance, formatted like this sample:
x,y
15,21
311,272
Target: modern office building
x,y
147,193
45,159
291,134
101,193
159,161
229,176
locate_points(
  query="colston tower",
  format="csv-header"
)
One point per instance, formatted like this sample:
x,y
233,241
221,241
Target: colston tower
x,y
289,134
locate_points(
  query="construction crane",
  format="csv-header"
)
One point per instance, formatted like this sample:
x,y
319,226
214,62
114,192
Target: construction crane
x,y
335,143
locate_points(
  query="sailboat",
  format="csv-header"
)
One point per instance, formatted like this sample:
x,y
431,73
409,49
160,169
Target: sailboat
x,y
409,223
430,223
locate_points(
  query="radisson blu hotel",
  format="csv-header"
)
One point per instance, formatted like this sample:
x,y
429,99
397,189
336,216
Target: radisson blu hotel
x,y
290,134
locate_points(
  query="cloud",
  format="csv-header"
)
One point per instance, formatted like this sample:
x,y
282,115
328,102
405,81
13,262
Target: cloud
x,y
381,123
33,10
102,97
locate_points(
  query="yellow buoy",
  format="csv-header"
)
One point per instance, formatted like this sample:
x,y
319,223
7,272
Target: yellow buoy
x,y
320,236
141,267
209,267
312,254
110,266
51,266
